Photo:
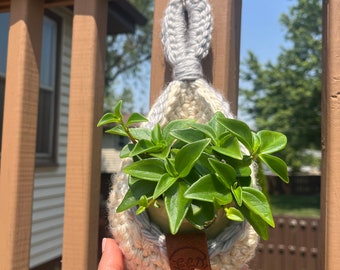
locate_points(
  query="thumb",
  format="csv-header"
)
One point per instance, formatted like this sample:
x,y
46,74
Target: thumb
x,y
112,258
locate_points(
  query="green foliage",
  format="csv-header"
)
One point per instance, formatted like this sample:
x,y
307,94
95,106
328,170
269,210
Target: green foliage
x,y
197,169
125,56
285,96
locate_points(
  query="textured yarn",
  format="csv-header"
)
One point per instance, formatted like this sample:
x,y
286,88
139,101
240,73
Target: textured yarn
x,y
141,241
186,41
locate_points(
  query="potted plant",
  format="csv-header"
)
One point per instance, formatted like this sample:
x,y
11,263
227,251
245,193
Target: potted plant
x,y
196,171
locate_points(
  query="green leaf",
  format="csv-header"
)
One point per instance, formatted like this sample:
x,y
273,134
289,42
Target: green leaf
x,y
257,202
234,214
225,172
141,188
241,130
117,130
156,134
271,141
224,137
138,189
237,192
143,204
231,148
207,130
188,135
140,210
188,155
133,180
149,169
243,171
136,118
276,165
142,146
128,201
236,163
165,182
156,150
256,142
209,189
125,152
108,118
141,133
175,125
176,205
170,167
115,117
260,226
218,128
200,214
143,201
202,165
117,110
160,151
225,199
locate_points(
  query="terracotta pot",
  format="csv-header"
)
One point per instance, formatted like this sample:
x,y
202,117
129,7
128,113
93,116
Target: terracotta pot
x,y
159,217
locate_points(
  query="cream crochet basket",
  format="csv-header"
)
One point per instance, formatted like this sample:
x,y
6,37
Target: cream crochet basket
x,y
186,36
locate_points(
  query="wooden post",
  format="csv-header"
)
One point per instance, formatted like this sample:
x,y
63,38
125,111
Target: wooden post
x,y
84,138
330,188
19,133
221,67
160,70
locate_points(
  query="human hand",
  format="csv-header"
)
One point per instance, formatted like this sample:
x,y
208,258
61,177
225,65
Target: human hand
x,y
112,258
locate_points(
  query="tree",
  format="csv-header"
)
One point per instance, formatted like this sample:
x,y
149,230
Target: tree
x,y
286,95
125,57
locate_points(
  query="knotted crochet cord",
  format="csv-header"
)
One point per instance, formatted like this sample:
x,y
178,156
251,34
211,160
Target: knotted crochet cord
x,y
186,39
186,34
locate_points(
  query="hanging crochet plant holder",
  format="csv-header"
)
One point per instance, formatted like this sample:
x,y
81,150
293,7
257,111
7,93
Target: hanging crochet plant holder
x,y
186,36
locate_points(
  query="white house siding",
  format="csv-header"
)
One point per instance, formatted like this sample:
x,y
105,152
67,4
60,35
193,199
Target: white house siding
x,y
49,184
110,162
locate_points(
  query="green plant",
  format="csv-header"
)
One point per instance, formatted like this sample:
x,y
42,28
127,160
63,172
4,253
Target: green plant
x,y
197,169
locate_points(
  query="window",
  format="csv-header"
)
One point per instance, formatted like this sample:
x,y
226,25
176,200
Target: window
x,y
4,25
46,132
48,93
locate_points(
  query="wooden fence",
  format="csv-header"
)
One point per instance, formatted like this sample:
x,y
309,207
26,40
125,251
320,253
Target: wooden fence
x,y
292,245
298,185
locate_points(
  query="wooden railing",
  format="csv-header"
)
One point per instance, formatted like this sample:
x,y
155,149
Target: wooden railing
x,y
84,140
82,192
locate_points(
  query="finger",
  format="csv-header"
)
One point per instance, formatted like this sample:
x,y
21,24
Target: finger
x,y
112,258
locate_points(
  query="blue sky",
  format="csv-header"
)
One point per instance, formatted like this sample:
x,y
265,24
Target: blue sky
x,y
261,31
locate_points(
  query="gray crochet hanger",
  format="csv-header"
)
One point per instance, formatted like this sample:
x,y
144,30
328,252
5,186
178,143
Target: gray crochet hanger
x,y
186,36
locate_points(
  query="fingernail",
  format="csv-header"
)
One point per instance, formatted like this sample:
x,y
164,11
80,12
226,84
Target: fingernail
x,y
103,244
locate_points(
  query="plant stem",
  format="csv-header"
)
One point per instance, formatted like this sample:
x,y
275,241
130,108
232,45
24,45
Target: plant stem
x,y
133,140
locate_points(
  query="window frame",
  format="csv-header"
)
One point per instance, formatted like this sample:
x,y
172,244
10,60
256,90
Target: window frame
x,y
50,159
2,101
